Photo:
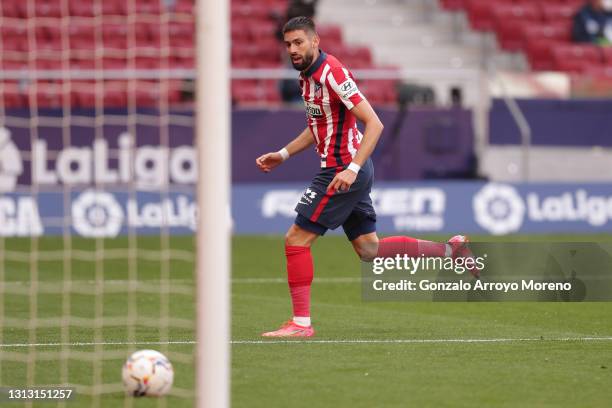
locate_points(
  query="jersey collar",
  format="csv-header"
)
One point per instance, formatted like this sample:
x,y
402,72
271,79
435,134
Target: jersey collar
x,y
317,64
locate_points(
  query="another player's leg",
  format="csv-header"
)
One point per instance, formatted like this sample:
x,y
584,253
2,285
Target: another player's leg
x,y
300,273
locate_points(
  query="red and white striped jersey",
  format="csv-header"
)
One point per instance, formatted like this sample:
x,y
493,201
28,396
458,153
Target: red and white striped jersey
x,y
329,93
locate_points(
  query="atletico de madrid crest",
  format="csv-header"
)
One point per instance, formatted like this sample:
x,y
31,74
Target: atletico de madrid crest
x,y
318,90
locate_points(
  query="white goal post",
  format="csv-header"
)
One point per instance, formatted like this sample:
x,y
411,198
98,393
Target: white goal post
x,y
213,196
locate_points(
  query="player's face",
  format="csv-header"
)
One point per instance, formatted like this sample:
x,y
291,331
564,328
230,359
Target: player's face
x,y
301,47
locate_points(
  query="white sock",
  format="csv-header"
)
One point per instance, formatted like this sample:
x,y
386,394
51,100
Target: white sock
x,y
449,250
301,321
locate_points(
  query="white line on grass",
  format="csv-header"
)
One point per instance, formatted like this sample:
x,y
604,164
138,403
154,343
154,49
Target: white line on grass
x,y
420,341
102,343
331,341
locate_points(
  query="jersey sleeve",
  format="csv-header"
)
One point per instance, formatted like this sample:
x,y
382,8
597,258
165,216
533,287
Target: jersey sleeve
x,y
342,84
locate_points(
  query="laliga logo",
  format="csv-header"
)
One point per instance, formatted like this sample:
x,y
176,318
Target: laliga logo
x,y
97,214
11,165
499,209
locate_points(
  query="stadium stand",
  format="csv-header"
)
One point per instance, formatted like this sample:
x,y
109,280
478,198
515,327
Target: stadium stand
x,y
83,38
541,30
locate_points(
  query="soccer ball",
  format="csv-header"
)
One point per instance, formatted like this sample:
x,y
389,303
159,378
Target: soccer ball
x,y
147,373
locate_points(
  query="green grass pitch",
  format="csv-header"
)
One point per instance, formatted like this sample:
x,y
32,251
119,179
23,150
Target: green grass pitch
x,y
541,373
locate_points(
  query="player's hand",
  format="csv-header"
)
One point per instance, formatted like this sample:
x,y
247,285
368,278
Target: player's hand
x,y
343,181
268,161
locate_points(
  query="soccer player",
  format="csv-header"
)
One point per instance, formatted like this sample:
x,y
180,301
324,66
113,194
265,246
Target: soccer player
x,y
340,193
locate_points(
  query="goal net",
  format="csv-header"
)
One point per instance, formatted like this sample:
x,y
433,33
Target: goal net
x,y
97,193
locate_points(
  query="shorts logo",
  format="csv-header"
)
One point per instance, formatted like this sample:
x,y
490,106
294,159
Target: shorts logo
x,y
308,197
313,110
11,165
348,88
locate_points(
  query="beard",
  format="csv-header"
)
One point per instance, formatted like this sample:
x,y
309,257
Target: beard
x,y
306,61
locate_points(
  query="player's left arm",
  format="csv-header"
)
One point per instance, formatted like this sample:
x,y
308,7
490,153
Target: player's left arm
x,y
364,112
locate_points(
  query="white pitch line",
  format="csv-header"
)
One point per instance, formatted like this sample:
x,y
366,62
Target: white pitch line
x,y
289,341
102,343
420,341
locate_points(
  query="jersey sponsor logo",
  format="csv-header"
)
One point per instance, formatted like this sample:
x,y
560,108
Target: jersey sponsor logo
x,y
348,88
313,110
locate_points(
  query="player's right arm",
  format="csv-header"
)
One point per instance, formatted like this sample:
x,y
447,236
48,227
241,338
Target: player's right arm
x,y
268,161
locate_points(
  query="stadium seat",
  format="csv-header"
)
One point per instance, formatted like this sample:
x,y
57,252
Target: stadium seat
x,y
576,4
599,72
510,33
271,92
81,8
48,63
558,11
239,34
181,34
480,13
48,8
12,95
607,56
147,35
148,7
48,94
262,30
81,37
147,93
8,9
525,12
14,9
559,31
114,63
87,63
184,6
115,36
14,38
330,33
252,10
114,7
48,37
259,63
576,58
115,94
82,93
13,64
143,62
453,4
539,53
246,91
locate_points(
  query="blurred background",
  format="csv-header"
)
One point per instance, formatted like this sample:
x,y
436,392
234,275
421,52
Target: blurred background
x,y
470,91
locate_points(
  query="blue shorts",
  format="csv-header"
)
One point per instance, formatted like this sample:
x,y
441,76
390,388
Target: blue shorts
x,y
319,210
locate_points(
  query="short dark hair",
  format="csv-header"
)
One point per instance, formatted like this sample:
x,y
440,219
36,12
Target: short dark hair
x,y
300,23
